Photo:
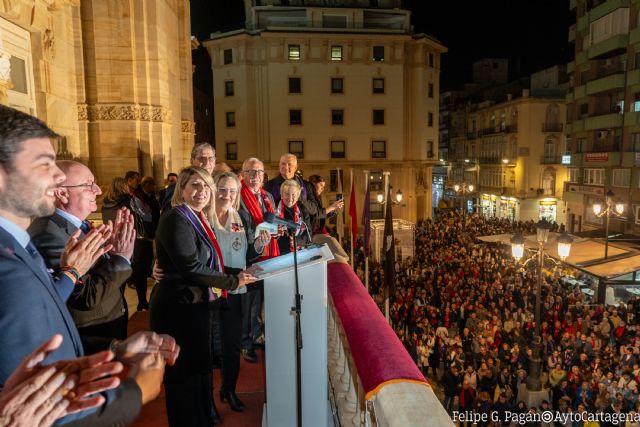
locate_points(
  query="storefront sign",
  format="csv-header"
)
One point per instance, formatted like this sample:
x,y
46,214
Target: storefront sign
x,y
596,157
598,191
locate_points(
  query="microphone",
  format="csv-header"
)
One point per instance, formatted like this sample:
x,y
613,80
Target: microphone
x,y
272,219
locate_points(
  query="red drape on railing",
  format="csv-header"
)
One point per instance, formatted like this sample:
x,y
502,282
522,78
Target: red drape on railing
x,y
378,354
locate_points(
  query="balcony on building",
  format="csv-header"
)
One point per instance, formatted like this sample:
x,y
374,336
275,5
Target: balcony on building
x,y
551,160
606,80
609,22
603,121
601,8
317,14
490,160
552,127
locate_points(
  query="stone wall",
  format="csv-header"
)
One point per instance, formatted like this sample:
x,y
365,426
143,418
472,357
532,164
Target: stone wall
x,y
114,78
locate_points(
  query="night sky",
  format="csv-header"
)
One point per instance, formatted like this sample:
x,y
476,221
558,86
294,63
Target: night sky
x,y
532,34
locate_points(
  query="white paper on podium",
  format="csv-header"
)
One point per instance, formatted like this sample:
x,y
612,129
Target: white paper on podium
x,y
284,262
271,228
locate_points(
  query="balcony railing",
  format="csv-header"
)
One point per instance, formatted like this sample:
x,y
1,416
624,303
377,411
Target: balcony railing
x,y
361,393
551,160
552,127
490,160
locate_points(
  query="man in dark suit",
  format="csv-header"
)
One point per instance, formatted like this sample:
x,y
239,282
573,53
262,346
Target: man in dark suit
x,y
97,304
288,167
254,202
31,310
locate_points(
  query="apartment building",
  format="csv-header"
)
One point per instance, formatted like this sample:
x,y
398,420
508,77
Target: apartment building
x,y
603,112
343,86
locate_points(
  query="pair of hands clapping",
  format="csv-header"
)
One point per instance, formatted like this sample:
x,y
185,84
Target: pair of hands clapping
x,y
117,239
39,395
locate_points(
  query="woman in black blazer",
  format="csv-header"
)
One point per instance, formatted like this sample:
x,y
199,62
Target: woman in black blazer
x,y
181,304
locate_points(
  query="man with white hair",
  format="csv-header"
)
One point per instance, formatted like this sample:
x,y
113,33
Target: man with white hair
x,y
255,201
97,304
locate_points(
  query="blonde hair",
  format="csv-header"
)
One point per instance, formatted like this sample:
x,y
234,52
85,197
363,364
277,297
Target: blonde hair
x,y
290,183
183,178
232,176
117,190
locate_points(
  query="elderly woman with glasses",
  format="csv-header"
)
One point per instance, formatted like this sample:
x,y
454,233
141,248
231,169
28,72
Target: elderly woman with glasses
x,y
182,302
238,247
291,209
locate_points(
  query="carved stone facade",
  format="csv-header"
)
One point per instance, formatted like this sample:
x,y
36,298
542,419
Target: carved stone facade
x,y
129,102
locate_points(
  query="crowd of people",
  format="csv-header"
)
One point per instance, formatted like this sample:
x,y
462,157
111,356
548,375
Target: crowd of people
x,y
464,310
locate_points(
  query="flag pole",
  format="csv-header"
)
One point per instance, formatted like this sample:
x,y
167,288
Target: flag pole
x,y
353,261
387,196
366,258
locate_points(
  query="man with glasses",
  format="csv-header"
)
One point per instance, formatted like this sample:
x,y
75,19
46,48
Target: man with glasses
x,y
254,202
202,155
97,303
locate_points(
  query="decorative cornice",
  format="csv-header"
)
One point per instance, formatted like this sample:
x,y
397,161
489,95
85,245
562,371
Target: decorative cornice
x,y
83,113
188,126
147,113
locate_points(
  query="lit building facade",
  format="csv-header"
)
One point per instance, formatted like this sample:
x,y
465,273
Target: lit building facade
x,y
603,112
348,87
516,148
112,78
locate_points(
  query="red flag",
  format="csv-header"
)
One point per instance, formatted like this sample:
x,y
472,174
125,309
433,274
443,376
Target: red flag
x,y
353,214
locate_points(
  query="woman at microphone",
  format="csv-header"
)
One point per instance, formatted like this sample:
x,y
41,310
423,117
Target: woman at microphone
x,y
238,248
290,209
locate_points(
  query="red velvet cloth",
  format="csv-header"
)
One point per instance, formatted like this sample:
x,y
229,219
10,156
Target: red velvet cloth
x,y
378,354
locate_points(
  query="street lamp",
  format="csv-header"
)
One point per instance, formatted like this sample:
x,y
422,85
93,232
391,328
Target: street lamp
x,y
399,195
464,189
616,209
517,250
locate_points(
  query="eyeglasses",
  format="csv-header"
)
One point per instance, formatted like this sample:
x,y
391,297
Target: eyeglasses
x,y
253,172
203,159
92,186
230,191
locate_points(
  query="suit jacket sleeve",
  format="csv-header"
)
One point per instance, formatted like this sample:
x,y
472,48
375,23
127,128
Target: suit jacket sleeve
x,y
50,247
177,238
121,409
101,284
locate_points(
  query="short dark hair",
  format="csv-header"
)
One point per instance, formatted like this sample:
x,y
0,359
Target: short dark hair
x,y
170,174
130,174
15,128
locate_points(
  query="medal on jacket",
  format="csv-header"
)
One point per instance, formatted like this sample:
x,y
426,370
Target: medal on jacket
x,y
237,244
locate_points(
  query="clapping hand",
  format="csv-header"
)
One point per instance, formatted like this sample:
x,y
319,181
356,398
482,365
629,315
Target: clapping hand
x,y
145,342
39,395
124,234
82,254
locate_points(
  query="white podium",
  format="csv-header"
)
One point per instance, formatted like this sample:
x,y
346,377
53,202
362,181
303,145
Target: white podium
x,y
280,343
